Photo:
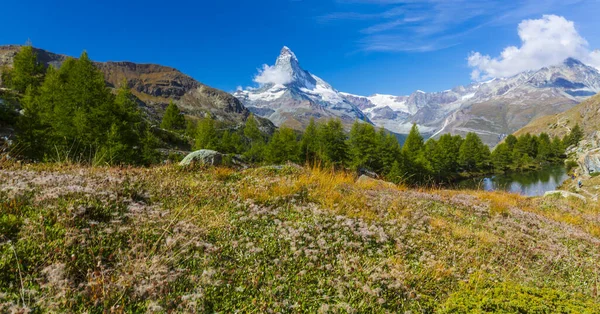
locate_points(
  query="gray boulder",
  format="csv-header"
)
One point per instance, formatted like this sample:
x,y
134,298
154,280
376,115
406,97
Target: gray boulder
x,y
203,157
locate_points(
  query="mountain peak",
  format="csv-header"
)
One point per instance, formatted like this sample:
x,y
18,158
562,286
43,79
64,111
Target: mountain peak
x,y
571,62
288,63
287,58
286,51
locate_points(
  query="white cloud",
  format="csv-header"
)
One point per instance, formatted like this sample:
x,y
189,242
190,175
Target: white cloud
x,y
272,75
544,42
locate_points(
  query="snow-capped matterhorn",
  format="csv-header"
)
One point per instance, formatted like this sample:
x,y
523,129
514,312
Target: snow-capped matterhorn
x,y
289,95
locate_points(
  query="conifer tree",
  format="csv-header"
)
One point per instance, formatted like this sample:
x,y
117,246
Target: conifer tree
x,y
283,146
255,140
473,154
173,119
443,156
231,143
126,130
574,137
31,132
413,146
544,148
206,134
333,149
309,145
389,152
396,173
502,157
511,141
26,71
363,147
557,148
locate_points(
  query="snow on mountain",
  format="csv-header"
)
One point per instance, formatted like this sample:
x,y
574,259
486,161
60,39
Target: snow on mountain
x,y
292,96
492,109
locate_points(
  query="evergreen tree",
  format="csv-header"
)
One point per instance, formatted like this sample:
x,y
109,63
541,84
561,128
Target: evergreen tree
x,y
502,157
283,146
557,148
473,154
149,143
26,71
206,134
309,146
413,146
126,131
511,141
544,149
443,157
333,149
415,161
389,152
574,137
255,140
363,144
31,133
231,143
173,119
396,173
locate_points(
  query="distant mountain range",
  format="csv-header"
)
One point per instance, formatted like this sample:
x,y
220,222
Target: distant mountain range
x,y
492,109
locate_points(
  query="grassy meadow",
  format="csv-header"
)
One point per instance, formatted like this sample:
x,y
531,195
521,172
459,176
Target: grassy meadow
x,y
284,240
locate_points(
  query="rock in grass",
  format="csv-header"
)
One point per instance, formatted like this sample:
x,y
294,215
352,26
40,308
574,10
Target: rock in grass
x,y
365,179
565,194
203,157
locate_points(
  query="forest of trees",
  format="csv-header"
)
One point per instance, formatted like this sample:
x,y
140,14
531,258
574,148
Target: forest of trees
x,y
70,112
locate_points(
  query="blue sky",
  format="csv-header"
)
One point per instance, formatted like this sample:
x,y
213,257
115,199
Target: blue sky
x,y
359,46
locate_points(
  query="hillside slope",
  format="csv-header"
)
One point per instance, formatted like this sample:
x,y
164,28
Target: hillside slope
x,y
287,239
587,153
155,85
586,114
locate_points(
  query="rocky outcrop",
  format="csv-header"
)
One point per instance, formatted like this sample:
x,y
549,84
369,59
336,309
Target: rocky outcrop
x,y
591,162
203,157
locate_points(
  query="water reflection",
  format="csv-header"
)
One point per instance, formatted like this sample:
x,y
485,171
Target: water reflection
x,y
534,183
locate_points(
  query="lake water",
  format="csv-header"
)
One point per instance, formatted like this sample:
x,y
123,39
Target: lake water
x,y
532,183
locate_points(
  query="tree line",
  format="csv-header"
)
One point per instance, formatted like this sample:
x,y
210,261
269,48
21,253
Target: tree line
x,y
365,148
70,111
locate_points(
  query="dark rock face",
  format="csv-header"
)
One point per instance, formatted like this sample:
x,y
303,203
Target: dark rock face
x,y
385,113
361,102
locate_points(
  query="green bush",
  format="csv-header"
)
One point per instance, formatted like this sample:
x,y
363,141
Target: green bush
x,y
488,297
570,164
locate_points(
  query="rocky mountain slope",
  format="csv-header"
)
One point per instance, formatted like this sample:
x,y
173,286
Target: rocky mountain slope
x,y
155,85
492,109
298,97
587,115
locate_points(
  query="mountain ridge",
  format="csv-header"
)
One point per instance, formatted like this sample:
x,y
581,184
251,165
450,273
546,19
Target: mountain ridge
x,y
492,109
155,86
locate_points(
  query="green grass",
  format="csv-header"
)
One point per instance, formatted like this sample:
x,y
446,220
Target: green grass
x,y
166,239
